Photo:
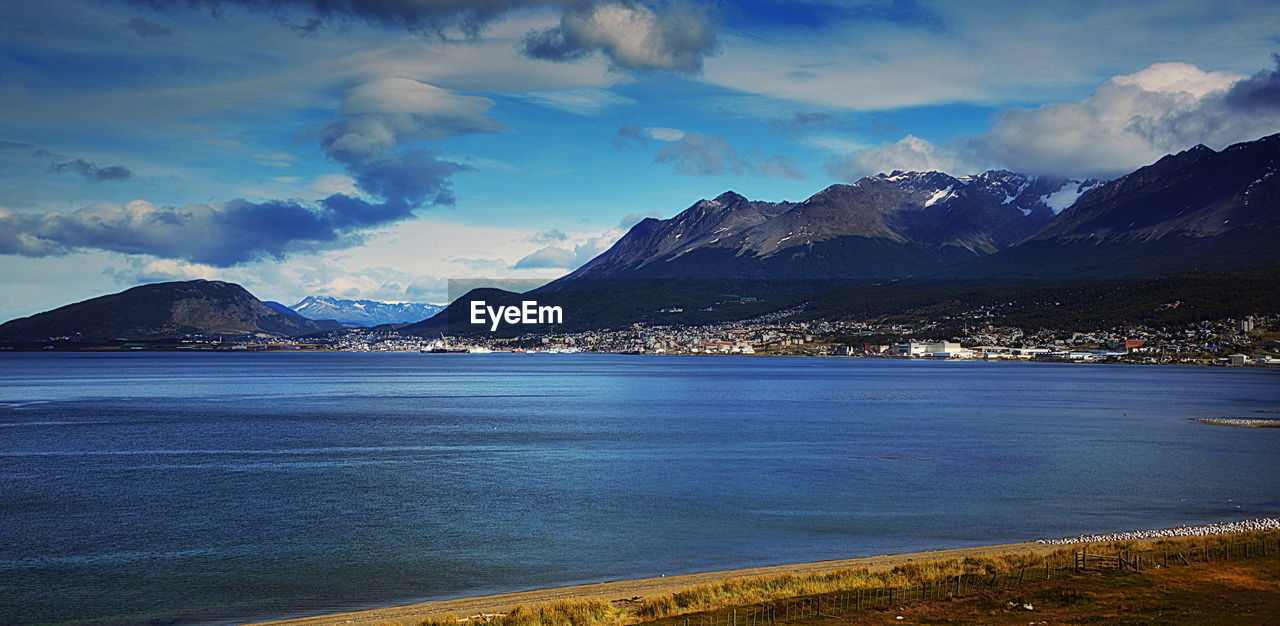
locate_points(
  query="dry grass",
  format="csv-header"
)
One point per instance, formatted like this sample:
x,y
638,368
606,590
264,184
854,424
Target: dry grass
x,y
742,592
559,613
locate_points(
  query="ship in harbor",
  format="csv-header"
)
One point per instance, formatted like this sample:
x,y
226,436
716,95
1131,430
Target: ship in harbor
x,y
442,346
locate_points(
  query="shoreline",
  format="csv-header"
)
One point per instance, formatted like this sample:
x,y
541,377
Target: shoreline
x,y
164,350
642,587
629,590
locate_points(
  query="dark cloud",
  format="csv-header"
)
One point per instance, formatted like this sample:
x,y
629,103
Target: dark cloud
x,y
94,172
630,136
1260,92
144,28
374,138
548,236
407,180
708,155
225,234
311,26
425,16
667,35
674,36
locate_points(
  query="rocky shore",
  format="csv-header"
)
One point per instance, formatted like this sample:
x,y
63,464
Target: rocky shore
x,y
1265,523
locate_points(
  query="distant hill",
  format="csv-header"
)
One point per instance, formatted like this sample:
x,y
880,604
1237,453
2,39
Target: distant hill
x,y
364,312
163,311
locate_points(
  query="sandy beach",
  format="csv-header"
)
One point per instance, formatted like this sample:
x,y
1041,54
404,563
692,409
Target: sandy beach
x,y
644,587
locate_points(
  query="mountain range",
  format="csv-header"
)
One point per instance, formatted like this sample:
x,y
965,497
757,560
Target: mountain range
x,y
356,313
1195,209
883,226
1209,220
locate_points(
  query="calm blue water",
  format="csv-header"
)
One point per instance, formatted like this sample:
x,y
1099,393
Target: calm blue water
x,y
221,487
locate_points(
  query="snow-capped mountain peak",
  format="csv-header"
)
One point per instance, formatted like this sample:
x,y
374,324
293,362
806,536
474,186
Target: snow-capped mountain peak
x,y
364,312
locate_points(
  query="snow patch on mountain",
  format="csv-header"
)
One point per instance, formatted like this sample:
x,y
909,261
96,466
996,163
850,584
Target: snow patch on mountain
x,y
364,312
939,196
1059,200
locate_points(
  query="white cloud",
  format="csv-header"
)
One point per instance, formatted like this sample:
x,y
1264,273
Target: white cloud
x,y
382,114
664,134
326,185
834,143
1129,121
548,257
989,53
560,257
908,154
171,269
582,100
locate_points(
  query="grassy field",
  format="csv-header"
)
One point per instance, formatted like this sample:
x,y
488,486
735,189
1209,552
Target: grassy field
x,y
1244,591
1227,579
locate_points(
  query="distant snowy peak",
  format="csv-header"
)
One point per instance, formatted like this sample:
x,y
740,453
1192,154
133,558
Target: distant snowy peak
x,y
1002,186
364,312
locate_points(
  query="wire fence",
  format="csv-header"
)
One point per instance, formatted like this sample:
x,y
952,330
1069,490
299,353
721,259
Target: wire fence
x,y
1089,558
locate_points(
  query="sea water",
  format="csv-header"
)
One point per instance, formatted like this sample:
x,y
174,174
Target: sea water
x,y
171,487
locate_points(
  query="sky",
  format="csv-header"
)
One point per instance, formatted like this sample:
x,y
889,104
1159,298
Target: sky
x,y
378,149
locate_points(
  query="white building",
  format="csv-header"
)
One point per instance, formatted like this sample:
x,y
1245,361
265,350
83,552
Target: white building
x,y
940,350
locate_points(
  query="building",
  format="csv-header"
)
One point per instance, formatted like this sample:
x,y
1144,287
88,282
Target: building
x,y
940,350
1236,359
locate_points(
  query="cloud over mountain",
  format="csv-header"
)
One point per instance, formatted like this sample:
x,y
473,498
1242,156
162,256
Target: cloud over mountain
x,y
1135,118
1127,121
909,154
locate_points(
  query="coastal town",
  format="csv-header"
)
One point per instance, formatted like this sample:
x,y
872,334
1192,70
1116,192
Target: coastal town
x,y
1236,342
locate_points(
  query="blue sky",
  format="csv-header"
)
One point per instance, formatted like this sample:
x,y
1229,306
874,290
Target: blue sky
x,y
376,150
